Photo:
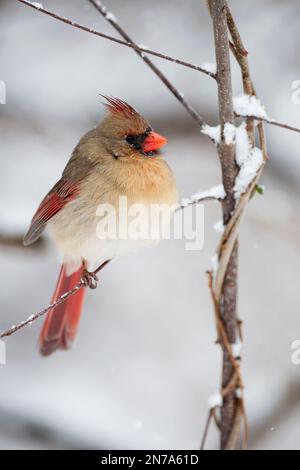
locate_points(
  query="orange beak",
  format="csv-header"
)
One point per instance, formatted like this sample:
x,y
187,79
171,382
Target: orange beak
x,y
153,142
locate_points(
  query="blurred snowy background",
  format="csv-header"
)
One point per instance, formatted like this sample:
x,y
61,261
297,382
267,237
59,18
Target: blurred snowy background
x,y
145,361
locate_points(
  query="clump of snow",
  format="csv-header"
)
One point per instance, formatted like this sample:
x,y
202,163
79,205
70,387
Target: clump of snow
x,y
210,67
248,171
238,393
185,201
215,399
216,192
242,144
110,17
213,132
214,264
247,105
143,46
219,226
37,5
229,133
236,349
248,158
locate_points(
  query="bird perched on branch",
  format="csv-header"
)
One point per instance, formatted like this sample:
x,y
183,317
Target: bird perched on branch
x,y
116,160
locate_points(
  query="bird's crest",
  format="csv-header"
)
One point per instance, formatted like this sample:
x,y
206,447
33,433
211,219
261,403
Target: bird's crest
x,y
115,105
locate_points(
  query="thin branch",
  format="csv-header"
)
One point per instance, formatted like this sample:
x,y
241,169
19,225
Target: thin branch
x,y
37,315
206,429
60,300
270,121
192,112
236,428
144,49
191,202
112,20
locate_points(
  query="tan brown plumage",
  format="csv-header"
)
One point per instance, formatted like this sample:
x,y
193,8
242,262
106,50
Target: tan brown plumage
x,y
117,158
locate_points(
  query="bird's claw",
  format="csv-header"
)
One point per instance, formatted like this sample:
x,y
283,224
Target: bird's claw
x,y
90,279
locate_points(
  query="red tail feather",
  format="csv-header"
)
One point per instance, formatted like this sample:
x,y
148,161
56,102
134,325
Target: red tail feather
x,y
60,327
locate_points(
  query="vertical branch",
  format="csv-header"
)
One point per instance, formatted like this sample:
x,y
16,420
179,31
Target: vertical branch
x,y
228,300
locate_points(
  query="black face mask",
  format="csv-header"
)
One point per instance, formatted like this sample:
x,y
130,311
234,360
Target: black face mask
x,y
136,141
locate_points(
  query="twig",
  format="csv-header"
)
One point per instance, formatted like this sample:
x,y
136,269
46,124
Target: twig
x,y
235,429
192,112
191,202
111,19
270,121
37,315
118,41
59,301
206,429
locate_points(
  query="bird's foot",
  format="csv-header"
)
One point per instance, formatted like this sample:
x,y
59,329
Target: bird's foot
x,y
90,279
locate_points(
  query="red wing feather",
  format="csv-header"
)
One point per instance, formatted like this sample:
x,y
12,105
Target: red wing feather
x,y
63,192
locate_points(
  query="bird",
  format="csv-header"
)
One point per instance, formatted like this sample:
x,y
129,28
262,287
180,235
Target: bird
x,y
118,158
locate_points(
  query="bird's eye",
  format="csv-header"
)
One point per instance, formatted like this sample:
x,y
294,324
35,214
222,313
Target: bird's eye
x,y
130,139
148,130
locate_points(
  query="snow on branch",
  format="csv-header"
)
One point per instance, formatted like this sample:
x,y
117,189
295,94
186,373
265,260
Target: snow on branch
x,y
210,67
249,159
246,105
216,193
215,400
213,132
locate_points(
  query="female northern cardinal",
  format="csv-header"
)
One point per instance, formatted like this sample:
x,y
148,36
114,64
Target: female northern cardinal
x,y
117,158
